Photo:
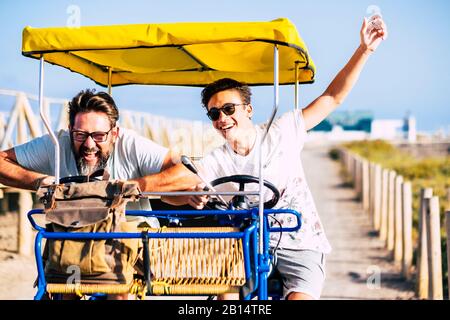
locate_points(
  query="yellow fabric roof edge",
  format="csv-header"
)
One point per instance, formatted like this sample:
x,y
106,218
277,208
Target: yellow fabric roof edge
x,y
43,40
91,51
100,78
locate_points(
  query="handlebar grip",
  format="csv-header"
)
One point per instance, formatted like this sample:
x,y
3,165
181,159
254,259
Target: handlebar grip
x,y
188,164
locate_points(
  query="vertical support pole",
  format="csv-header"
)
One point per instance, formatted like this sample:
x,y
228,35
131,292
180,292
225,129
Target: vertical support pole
x,y
25,233
296,85
384,205
110,81
398,238
391,211
377,197
435,291
422,254
263,237
407,230
365,184
45,119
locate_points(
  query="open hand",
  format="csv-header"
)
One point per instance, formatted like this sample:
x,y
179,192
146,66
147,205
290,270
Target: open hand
x,y
372,33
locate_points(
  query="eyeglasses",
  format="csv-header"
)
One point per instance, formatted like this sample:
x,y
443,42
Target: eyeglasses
x,y
97,136
227,108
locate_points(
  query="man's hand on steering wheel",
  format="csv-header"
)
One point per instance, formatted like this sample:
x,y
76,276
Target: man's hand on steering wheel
x,y
199,202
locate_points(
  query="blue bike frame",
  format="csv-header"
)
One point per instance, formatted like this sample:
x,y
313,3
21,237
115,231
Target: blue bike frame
x,y
257,266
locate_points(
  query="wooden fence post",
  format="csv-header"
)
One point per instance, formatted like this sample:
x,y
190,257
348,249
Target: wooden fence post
x,y
358,177
407,230
435,291
398,238
371,190
422,254
447,232
377,197
384,205
344,157
5,202
447,205
25,232
350,166
391,211
365,186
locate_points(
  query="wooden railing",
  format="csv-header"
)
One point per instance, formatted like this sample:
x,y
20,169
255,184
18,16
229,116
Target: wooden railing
x,y
192,138
387,200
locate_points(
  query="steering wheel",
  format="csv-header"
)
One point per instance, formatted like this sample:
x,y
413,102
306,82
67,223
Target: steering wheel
x,y
242,201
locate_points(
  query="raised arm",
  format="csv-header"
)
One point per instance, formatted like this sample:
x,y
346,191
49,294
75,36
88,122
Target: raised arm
x,y
344,81
14,175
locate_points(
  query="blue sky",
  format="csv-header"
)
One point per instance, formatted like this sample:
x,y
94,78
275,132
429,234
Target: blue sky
x,y
409,72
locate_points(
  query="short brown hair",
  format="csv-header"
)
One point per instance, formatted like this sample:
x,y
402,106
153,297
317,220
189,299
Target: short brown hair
x,y
226,84
89,101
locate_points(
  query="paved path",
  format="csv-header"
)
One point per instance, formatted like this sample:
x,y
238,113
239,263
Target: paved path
x,y
357,255
358,259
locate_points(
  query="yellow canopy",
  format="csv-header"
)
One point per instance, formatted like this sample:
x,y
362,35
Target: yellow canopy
x,y
187,54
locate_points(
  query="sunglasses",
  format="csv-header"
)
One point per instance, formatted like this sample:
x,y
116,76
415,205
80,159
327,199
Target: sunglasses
x,y
228,109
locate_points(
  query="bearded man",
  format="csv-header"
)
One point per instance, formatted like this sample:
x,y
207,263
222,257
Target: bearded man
x,y
92,142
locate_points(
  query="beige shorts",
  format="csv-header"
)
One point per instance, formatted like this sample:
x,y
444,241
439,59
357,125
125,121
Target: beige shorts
x,y
301,271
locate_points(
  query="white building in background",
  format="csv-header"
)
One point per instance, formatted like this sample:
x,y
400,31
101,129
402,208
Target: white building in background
x,y
360,125
411,130
394,129
387,129
338,134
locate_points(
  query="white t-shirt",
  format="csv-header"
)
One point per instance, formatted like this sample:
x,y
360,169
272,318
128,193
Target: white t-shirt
x,y
133,156
281,166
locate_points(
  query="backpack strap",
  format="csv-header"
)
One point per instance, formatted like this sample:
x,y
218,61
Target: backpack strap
x,y
118,195
125,191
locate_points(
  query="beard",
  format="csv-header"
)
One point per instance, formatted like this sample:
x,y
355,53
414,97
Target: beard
x,y
85,168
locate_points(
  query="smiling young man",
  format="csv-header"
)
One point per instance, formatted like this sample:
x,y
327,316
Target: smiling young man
x,y
300,255
93,141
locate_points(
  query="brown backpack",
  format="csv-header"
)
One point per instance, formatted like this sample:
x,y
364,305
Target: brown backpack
x,y
97,206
